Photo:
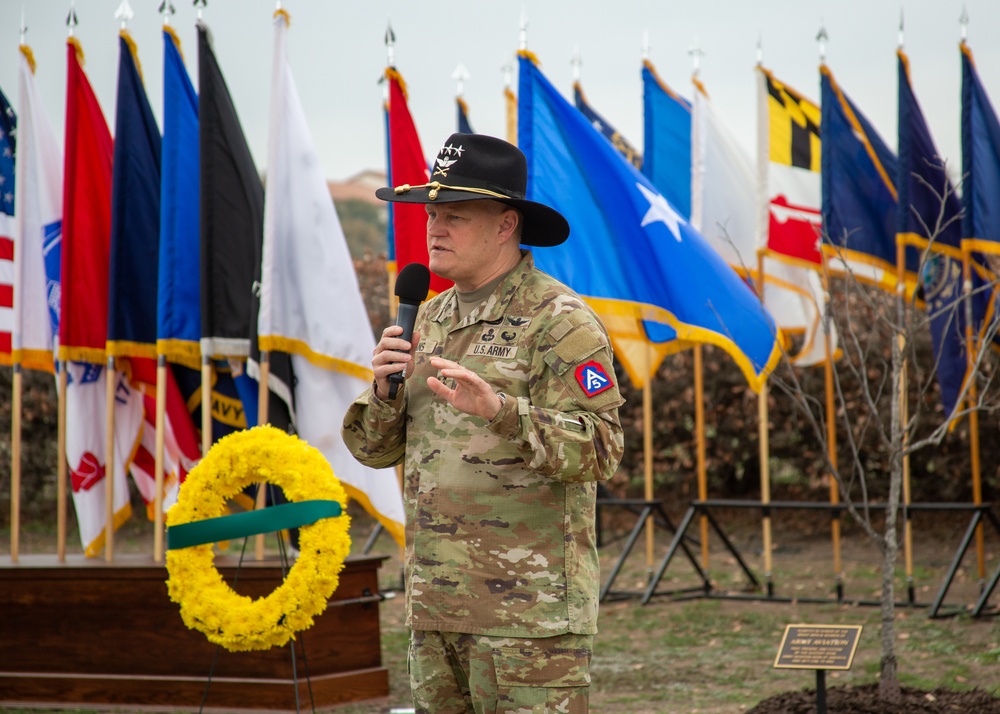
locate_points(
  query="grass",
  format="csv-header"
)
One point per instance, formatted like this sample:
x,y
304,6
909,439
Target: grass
x,y
714,656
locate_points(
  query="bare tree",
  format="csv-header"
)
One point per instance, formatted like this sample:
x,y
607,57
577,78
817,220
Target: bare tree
x,y
888,361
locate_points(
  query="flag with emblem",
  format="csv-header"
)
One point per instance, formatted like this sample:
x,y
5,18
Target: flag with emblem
x,y
83,325
631,154
306,269
724,210
86,415
232,233
859,193
178,302
630,253
933,223
8,141
667,137
462,109
39,227
788,160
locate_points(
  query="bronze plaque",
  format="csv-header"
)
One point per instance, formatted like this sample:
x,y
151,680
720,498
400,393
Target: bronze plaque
x,y
818,647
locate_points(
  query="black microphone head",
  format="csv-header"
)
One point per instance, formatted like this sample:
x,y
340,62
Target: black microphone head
x,y
412,283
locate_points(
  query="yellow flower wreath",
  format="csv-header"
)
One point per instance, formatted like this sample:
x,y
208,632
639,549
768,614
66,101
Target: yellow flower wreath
x,y
208,604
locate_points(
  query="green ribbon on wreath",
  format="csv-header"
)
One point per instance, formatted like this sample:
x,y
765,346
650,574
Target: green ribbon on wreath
x,y
239,525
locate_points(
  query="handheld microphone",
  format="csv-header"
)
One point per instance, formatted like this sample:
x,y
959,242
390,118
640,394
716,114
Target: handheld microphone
x,y
411,289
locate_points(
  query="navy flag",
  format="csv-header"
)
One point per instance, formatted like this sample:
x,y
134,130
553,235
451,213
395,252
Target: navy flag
x,y
631,154
859,193
135,215
930,220
464,127
980,162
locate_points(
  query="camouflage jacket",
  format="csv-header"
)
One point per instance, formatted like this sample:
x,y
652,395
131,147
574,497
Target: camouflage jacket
x,y
500,515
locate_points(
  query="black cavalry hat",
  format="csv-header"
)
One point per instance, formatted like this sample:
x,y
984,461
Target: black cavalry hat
x,y
473,167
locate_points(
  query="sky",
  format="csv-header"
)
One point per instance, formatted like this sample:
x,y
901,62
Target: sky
x,y
338,54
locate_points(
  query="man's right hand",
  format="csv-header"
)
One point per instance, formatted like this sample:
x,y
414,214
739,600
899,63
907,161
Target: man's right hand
x,y
392,354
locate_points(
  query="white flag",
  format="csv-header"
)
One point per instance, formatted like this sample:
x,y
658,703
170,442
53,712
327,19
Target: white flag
x,y
38,232
724,209
86,410
310,304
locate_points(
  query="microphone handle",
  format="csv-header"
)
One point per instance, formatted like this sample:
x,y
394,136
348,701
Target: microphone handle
x,y
406,317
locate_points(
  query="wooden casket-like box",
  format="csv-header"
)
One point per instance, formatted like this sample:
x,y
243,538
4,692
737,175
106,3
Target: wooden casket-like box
x,y
92,633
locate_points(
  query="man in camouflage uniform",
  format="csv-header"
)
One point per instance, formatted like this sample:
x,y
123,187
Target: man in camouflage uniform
x,y
507,419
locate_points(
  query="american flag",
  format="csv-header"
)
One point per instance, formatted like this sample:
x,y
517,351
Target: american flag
x,y
8,132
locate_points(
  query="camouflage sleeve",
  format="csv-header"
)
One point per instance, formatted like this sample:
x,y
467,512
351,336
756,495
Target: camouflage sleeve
x,y
374,431
568,428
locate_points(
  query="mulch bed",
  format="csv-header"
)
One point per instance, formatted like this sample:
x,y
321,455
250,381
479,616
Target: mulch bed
x,y
864,700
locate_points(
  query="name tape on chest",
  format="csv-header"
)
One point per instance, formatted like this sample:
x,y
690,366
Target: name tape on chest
x,y
480,349
593,378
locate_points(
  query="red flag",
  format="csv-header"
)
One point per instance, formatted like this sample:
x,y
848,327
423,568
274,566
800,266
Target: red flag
x,y
86,240
407,165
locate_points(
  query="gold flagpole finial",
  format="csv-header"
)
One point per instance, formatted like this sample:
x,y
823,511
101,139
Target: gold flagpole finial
x,y
964,22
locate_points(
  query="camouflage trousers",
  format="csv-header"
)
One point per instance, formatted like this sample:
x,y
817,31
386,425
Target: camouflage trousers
x,y
452,673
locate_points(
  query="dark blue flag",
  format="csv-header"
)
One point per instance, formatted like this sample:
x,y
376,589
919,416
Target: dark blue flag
x,y
930,217
859,192
631,154
667,119
980,162
630,253
464,126
135,216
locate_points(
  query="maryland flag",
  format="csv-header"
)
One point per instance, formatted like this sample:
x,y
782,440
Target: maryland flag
x,y
788,155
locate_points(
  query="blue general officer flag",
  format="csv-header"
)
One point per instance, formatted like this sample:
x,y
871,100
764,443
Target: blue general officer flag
x,y
667,137
135,216
859,191
178,311
630,252
930,218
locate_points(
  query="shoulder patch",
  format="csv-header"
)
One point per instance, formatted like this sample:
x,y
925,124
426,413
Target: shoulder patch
x,y
593,378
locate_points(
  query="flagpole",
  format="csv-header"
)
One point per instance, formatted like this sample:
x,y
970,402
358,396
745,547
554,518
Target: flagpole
x,y
831,437
970,346
206,403
61,469
390,61
904,402
831,413
647,457
109,460
699,428
696,54
15,466
764,454
161,408
262,405
904,411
